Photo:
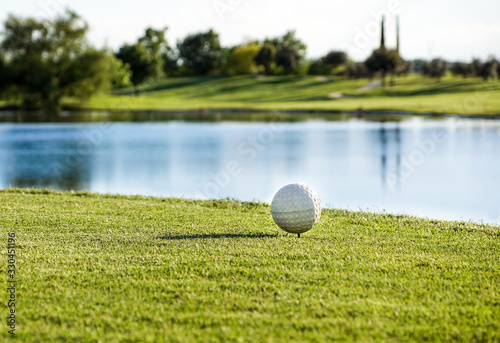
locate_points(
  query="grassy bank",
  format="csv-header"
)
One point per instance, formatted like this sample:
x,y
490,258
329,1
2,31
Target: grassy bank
x,y
413,93
113,268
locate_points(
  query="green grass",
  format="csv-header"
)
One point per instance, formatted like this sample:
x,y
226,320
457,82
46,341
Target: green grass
x,y
413,93
138,269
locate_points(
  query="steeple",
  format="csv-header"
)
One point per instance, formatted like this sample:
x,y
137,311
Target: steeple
x,y
397,33
382,38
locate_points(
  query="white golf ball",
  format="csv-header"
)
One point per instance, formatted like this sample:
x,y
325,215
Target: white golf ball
x,y
296,208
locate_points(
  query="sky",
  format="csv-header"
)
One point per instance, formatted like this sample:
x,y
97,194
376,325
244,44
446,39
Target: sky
x,y
456,30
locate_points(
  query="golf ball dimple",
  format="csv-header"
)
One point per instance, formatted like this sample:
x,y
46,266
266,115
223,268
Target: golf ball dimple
x,y
296,208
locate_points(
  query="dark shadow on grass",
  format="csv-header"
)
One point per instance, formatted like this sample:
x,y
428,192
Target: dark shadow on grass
x,y
172,84
281,79
316,83
441,88
292,99
215,236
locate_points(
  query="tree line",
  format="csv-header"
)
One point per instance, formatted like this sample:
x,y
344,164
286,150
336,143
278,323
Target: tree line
x,y
202,54
42,61
437,68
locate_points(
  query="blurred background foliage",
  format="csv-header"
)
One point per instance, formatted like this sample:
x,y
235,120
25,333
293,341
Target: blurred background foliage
x,y
44,60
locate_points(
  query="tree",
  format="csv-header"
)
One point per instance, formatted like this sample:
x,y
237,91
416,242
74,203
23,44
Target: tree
x,y
461,69
170,62
145,58
4,76
136,57
405,68
488,70
163,57
385,62
382,33
335,58
120,73
200,53
51,59
318,67
475,66
107,70
357,70
437,68
241,59
290,52
265,57
154,41
288,58
329,63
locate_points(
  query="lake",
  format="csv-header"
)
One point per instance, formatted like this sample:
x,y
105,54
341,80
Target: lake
x,y
438,168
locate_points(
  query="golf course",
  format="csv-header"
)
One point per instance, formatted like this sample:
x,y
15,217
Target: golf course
x,y
413,93
105,268
243,171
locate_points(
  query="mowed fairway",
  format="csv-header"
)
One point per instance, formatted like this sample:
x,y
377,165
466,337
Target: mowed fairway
x,y
452,95
138,269
413,93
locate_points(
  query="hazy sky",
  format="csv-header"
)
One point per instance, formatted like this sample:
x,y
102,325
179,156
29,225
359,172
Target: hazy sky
x,y
451,29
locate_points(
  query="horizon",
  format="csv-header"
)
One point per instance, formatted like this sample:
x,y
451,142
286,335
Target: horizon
x,y
462,33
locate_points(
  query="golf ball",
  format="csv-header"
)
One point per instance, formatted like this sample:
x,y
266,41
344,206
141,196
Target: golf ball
x,y
296,208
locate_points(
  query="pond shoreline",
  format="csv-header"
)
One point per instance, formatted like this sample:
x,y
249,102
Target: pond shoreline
x,y
204,113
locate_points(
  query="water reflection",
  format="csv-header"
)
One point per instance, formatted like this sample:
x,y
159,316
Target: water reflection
x,y
390,145
51,158
436,168
383,155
